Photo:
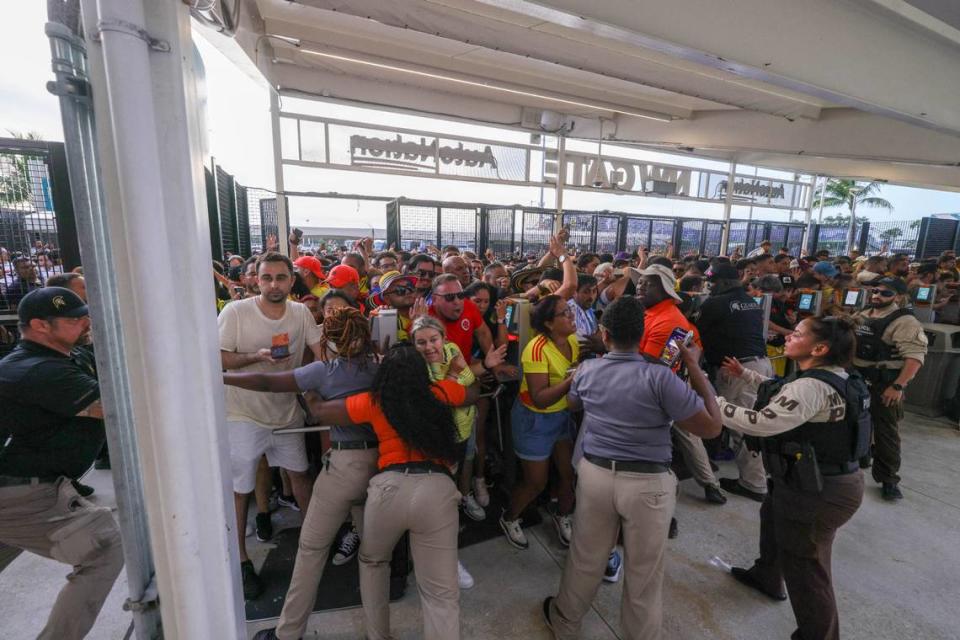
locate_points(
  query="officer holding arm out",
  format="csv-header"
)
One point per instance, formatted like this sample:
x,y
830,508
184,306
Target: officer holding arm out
x,y
51,430
891,346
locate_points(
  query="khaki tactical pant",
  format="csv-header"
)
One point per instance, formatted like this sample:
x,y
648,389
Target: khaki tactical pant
x,y
736,390
696,458
639,503
341,488
425,504
53,521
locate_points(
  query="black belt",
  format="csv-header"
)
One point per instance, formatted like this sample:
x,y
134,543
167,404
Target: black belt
x,y
421,467
634,466
349,445
15,481
827,469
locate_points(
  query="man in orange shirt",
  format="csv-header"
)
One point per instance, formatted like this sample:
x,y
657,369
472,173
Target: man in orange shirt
x,y
656,287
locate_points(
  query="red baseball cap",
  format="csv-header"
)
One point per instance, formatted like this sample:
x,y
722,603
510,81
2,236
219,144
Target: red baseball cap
x,y
342,275
310,263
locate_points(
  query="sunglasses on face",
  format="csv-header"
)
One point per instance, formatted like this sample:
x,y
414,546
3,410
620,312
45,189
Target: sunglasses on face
x,y
400,291
883,293
450,297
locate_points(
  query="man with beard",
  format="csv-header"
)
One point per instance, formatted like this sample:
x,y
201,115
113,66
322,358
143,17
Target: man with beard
x,y
891,346
265,333
899,266
26,280
51,429
496,275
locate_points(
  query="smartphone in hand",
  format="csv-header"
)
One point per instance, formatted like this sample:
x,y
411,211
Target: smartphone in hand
x,y
671,351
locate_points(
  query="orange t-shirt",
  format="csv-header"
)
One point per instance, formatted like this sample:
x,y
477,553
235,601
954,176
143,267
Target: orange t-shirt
x,y
393,450
659,321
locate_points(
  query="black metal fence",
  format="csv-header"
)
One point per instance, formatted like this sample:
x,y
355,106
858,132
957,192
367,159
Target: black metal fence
x,y
38,235
414,224
242,219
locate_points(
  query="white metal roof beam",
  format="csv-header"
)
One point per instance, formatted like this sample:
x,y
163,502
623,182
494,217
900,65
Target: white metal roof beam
x,y
835,51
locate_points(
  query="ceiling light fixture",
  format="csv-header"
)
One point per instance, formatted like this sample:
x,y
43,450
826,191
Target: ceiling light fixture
x,y
649,115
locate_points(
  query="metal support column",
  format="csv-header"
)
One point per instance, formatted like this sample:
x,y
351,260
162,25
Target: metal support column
x,y
143,74
283,215
73,88
808,213
561,180
727,207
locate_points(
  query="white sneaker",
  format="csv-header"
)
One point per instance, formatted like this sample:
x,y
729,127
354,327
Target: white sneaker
x,y
473,510
249,531
564,525
514,532
480,492
463,576
348,547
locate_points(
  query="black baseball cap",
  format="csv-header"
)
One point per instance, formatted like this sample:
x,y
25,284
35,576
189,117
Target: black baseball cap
x,y
896,284
724,272
51,302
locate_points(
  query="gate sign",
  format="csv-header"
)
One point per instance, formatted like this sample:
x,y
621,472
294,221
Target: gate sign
x,y
622,174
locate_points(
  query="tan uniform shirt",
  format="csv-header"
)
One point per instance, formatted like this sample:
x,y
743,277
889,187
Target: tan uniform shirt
x,y
905,333
803,400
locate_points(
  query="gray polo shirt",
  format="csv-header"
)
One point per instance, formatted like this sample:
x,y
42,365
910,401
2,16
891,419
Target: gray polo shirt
x,y
338,379
628,405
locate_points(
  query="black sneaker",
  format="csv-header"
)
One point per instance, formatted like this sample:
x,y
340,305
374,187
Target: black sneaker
x,y
83,490
264,527
288,501
732,485
713,495
674,529
752,579
349,545
252,585
890,491
266,634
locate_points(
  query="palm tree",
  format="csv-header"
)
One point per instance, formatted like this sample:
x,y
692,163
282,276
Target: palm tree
x,y
838,193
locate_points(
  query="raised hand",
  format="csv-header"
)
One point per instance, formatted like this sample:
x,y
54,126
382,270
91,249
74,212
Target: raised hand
x,y
732,366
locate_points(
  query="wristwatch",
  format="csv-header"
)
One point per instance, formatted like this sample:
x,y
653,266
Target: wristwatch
x,y
898,387
562,258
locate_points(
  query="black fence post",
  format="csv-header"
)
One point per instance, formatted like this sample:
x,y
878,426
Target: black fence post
x,y
813,239
68,242
213,215
393,224
483,231
864,237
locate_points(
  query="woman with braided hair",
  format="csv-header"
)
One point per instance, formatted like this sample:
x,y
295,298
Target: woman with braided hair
x,y
348,366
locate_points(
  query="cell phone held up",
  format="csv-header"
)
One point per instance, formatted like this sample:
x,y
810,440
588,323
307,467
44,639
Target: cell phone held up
x,y
280,346
671,351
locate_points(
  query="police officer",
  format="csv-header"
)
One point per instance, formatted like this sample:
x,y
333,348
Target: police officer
x,y
731,324
891,346
813,427
51,429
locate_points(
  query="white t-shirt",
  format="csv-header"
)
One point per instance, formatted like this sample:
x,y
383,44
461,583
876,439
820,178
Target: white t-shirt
x,y
245,329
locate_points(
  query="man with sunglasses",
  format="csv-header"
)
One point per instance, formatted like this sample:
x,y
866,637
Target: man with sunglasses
x,y
891,346
397,292
424,269
460,315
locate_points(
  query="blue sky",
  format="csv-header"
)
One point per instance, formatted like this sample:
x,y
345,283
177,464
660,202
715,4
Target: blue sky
x,y
238,104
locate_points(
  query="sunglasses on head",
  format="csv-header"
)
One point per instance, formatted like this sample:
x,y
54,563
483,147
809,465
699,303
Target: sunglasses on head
x,y
401,290
885,293
450,297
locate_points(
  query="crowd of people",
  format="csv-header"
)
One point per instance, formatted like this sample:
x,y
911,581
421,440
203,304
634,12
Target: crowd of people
x,y
801,401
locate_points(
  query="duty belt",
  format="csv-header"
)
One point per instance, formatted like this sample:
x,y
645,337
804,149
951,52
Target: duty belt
x,y
347,445
633,466
15,481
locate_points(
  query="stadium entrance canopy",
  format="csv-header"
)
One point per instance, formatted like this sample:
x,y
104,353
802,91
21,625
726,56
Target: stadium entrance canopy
x,y
856,88
865,89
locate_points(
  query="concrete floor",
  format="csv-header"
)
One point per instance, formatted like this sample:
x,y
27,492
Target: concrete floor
x,y
896,571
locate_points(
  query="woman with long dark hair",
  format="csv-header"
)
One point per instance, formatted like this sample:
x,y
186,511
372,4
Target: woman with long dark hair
x,y
813,427
541,424
414,490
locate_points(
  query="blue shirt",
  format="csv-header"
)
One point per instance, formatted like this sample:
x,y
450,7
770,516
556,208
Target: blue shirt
x,y
585,319
628,405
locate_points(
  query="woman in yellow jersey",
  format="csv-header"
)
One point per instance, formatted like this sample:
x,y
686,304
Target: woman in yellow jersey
x,y
541,423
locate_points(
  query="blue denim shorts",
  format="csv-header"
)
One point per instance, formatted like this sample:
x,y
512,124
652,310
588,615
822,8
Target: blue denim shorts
x,y
534,434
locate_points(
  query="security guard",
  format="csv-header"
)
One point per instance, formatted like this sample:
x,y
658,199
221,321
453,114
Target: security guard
x,y
51,429
812,428
891,346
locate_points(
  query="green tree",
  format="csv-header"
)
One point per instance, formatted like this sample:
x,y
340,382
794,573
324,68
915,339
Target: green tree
x,y
850,194
14,176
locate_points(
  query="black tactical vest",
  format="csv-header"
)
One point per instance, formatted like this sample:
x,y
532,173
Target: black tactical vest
x,y
870,344
835,443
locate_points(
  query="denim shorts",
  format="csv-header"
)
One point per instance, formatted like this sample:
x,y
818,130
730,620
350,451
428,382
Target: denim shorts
x,y
534,434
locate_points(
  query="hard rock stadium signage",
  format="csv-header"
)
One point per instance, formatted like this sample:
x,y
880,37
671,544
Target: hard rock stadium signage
x,y
312,141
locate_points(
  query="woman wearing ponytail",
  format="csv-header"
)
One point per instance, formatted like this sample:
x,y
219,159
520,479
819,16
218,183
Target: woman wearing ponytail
x,y
812,428
348,367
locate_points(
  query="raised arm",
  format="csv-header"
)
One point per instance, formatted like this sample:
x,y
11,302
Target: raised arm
x,y
705,423
329,411
569,286
234,360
